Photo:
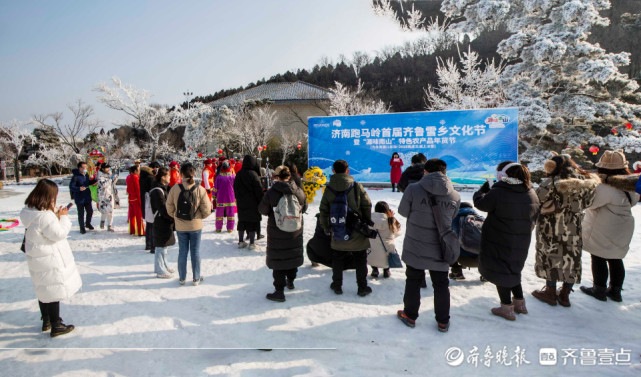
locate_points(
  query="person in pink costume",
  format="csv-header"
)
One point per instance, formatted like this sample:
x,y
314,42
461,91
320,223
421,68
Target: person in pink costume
x,y
225,198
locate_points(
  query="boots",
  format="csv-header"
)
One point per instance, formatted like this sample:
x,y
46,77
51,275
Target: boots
x,y
614,293
110,228
505,311
519,305
547,294
60,328
364,291
290,284
386,273
564,296
600,293
278,296
46,323
374,273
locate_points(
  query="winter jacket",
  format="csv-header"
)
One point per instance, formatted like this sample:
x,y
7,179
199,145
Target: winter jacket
x,y
248,190
146,181
512,210
559,236
202,204
174,177
357,200
411,175
51,265
284,249
106,192
163,222
395,174
421,246
79,180
608,225
381,247
224,190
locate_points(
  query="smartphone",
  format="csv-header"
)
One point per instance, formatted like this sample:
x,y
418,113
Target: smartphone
x,y
69,205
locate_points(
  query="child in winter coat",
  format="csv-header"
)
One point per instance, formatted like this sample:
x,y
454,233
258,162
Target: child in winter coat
x,y
107,194
224,197
380,247
51,265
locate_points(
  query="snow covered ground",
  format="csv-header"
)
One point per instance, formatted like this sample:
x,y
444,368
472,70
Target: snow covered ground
x,y
128,323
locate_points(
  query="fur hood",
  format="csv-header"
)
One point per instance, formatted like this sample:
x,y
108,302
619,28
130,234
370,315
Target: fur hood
x,y
621,182
147,170
576,183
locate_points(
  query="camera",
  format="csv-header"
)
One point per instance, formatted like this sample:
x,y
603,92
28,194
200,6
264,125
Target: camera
x,y
360,225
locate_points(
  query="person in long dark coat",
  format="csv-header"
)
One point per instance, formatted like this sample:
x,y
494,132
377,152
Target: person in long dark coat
x,y
147,181
249,193
284,249
512,209
163,236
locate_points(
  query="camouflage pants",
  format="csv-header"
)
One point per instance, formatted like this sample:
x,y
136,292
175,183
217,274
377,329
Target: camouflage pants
x,y
558,260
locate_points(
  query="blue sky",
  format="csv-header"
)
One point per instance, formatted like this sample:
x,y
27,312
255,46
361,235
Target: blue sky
x,y
53,52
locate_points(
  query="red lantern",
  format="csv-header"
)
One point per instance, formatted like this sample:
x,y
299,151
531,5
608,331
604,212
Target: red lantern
x,y
628,126
594,149
200,155
615,131
220,151
260,149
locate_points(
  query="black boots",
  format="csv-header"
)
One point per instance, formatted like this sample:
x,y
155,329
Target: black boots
x,y
46,323
364,291
337,288
614,293
60,328
278,296
374,273
600,293
290,284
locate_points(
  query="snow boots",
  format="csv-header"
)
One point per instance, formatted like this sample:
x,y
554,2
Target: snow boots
x,y
563,296
278,296
364,291
374,273
615,294
46,323
336,288
600,293
60,328
519,305
547,295
505,311
457,272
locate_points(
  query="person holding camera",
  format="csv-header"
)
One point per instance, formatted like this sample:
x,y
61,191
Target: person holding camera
x,y
344,203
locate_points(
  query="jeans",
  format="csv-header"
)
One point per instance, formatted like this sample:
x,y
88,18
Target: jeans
x,y
160,263
189,243
109,217
81,214
338,264
412,296
600,272
149,236
280,275
505,293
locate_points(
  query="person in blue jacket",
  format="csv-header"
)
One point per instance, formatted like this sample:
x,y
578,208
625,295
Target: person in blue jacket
x,y
79,187
457,270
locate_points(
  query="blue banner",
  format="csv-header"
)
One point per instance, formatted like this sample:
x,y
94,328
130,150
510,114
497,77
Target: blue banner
x,y
471,142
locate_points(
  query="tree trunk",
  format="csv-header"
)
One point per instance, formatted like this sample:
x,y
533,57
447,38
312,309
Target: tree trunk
x,y
16,169
153,151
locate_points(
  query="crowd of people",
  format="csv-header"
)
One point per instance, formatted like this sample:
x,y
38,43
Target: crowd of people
x,y
570,211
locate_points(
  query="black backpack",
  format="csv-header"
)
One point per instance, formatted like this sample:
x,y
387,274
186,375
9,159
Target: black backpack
x,y
186,205
469,234
338,213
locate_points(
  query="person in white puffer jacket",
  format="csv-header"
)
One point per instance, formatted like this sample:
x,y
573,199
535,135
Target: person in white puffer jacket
x,y
388,229
51,265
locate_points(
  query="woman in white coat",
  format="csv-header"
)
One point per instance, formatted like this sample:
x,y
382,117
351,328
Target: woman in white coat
x,y
107,195
51,265
380,247
608,226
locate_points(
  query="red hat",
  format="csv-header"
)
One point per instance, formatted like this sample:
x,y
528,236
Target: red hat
x,y
209,161
172,164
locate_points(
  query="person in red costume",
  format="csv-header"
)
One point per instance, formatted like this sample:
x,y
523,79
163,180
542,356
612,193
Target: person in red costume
x,y
637,167
208,176
134,216
396,162
174,174
238,165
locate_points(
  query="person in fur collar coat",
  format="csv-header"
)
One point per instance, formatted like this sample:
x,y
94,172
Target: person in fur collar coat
x,y
564,195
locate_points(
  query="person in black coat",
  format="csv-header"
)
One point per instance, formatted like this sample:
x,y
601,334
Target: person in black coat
x,y
284,249
79,187
512,209
413,173
163,223
147,180
249,193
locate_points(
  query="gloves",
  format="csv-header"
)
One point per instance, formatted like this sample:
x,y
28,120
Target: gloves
x,y
485,188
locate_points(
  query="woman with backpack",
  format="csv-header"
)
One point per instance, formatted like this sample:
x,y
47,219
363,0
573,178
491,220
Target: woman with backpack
x,y
512,209
608,226
163,235
249,193
395,176
564,195
383,245
188,204
134,215
51,265
284,204
106,196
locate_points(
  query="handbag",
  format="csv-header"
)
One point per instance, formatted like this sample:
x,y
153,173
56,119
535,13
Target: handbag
x,y
552,205
450,246
393,259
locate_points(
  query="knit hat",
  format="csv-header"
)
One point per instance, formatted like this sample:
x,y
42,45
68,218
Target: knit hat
x,y
613,160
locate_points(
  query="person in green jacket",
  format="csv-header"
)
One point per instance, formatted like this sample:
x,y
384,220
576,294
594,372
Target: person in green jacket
x,y
357,245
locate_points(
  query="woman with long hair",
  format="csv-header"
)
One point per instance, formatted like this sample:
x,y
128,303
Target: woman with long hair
x,y
395,176
163,235
564,195
51,265
388,229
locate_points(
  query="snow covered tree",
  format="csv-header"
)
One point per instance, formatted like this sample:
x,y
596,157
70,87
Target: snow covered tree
x,y
153,119
71,133
470,87
203,123
566,87
288,142
13,136
344,101
47,157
